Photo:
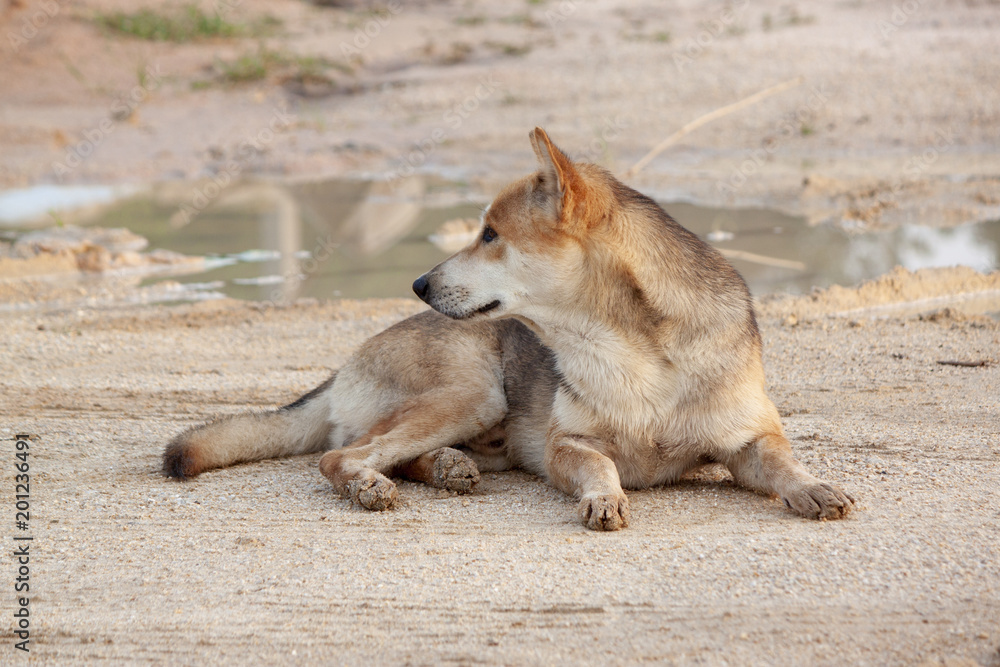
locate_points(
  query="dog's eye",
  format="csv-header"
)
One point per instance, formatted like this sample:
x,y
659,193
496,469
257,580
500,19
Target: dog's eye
x,y
488,234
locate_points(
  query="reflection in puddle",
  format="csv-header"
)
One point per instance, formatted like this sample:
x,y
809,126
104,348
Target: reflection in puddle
x,y
358,239
830,255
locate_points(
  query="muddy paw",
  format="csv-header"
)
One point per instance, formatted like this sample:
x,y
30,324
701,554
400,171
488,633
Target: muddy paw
x,y
820,501
375,492
607,512
454,471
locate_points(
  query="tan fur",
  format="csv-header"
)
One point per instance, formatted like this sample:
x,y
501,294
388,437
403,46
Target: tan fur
x,y
403,398
656,344
632,357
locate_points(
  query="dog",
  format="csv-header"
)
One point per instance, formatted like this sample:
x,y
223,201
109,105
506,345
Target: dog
x,y
584,336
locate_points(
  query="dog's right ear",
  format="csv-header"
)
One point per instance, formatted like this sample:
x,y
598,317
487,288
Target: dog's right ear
x,y
558,178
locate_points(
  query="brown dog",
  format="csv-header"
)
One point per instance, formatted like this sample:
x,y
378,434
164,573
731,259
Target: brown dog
x,y
589,338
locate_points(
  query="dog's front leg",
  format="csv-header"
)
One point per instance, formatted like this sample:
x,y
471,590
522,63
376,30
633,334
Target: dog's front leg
x,y
574,465
766,464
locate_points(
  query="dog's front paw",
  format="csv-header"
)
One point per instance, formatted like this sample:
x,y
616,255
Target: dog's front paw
x,y
454,471
819,501
604,512
375,491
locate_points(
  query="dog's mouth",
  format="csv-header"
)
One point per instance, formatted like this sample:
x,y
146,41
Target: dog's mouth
x,y
488,307
472,314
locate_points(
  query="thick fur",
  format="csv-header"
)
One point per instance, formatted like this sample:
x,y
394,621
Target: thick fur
x,y
298,428
592,340
396,407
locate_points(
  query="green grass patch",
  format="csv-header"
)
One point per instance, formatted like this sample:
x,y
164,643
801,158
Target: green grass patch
x,y
469,20
187,24
508,49
264,63
252,66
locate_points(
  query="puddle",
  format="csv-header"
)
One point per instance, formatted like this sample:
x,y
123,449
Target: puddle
x,y
17,206
827,254
361,239
349,239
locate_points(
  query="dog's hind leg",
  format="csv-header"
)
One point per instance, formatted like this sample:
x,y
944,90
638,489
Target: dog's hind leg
x,y
766,464
457,468
445,468
426,423
574,465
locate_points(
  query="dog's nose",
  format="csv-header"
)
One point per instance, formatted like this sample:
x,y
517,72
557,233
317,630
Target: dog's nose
x,y
420,287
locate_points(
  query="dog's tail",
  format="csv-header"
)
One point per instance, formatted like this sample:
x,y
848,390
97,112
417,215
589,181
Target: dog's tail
x,y
298,428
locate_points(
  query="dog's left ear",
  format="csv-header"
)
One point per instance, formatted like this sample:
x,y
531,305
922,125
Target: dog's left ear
x,y
559,179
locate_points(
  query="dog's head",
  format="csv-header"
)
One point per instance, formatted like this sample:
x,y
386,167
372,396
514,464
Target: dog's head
x,y
529,253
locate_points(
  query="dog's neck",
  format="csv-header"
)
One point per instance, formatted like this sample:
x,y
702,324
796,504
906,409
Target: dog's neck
x,y
629,324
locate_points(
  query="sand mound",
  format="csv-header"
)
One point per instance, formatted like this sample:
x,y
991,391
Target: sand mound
x,y
899,291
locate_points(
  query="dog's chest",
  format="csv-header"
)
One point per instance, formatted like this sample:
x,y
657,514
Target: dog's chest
x,y
636,400
609,382
645,452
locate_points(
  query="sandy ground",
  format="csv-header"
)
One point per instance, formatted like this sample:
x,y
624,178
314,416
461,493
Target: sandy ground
x,y
265,563
897,121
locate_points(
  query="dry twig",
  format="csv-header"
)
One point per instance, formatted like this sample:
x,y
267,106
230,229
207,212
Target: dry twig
x,y
708,118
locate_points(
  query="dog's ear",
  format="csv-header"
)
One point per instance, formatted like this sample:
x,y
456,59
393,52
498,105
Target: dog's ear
x,y
558,178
